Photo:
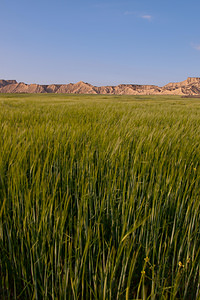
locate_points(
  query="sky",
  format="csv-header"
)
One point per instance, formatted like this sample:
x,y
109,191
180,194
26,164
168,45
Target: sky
x,y
103,42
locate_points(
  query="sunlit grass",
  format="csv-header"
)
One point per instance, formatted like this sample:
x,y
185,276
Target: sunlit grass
x,y
100,197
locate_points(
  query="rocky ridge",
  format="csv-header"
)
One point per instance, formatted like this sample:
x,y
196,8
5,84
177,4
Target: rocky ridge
x,y
190,86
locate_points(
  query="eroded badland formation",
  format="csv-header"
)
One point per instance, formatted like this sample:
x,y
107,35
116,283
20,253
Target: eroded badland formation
x,y
190,86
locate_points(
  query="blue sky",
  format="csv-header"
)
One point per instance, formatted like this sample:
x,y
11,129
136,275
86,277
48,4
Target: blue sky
x,y
102,42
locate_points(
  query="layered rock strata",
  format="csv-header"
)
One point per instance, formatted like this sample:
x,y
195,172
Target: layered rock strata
x,y
190,86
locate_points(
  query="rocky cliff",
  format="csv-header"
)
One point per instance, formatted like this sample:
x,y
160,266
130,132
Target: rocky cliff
x,y
190,86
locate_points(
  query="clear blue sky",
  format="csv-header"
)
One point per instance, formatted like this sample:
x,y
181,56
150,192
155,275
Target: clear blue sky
x,y
102,42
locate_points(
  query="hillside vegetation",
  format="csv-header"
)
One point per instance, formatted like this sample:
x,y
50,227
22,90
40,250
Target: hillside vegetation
x,y
99,197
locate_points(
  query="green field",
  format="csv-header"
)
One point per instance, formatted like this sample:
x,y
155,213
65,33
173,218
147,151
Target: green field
x,y
99,197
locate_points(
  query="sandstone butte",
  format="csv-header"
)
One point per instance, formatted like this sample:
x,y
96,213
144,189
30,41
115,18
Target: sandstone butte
x,y
188,87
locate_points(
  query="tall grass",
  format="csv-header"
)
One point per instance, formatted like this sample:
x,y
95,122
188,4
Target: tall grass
x,y
100,197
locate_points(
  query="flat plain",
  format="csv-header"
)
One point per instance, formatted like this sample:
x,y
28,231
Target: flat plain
x,y
99,197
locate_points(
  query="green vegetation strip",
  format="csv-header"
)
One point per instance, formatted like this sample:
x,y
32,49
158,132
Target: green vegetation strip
x,y
99,197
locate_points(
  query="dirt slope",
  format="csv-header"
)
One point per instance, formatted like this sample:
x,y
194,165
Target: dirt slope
x,y
190,86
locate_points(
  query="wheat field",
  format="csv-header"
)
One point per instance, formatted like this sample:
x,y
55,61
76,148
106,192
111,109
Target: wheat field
x,y
99,197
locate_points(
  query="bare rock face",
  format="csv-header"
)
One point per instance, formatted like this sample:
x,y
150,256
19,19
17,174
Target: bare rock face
x,y
22,88
190,86
52,88
6,82
77,88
